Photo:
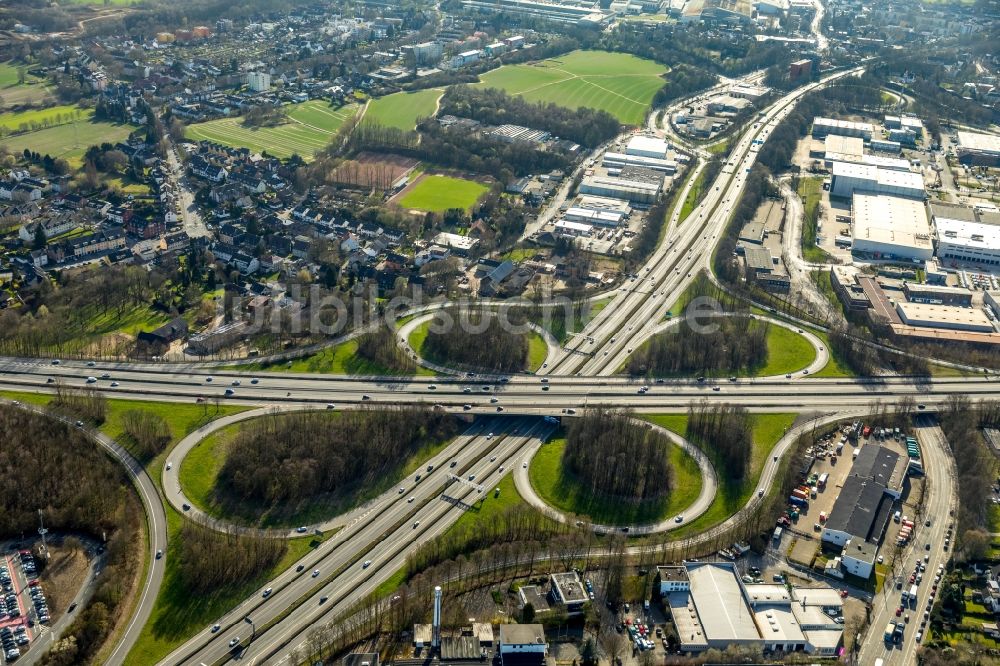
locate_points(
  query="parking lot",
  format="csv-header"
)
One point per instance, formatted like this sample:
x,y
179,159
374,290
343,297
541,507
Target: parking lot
x,y
23,607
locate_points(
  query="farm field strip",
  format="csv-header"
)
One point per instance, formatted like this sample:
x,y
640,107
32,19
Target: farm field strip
x,y
309,128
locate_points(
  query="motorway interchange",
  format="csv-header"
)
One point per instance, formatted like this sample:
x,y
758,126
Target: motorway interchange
x,y
376,539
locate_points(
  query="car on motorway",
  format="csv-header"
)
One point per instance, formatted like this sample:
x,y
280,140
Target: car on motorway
x,y
366,564
230,391
366,397
410,501
233,642
524,465
431,387
169,464
208,379
301,530
416,524
159,554
315,573
402,490
300,567
266,593
489,435
330,405
453,463
91,380
472,477
254,381
215,628
56,361
322,600
679,519
114,384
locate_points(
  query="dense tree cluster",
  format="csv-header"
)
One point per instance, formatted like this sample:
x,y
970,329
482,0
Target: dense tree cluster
x,y
492,106
85,403
49,465
291,458
961,420
457,148
212,560
724,344
682,81
380,347
477,338
265,115
725,432
618,457
146,432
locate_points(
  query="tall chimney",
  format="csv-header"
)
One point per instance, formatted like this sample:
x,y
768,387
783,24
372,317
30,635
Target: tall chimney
x,y
436,627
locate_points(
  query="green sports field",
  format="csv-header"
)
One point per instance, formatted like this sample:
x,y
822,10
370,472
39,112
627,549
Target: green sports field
x,y
437,193
309,128
402,110
68,141
621,84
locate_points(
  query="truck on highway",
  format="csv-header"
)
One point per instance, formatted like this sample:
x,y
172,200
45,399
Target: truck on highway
x,y
913,596
890,630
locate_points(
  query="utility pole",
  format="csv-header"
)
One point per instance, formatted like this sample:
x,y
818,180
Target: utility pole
x,y
42,530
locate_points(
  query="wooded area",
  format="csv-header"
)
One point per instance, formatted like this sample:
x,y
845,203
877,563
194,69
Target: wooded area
x,y
476,338
618,457
212,560
720,345
295,457
146,433
725,433
961,420
380,347
492,106
46,464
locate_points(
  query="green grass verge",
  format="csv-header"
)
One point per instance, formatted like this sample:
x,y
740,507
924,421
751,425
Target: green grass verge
x,y
537,351
438,193
341,359
767,431
787,352
694,195
719,147
560,489
811,192
403,110
835,367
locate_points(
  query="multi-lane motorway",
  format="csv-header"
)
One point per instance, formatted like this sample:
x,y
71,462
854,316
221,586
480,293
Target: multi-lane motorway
x,y
347,567
375,540
490,395
630,318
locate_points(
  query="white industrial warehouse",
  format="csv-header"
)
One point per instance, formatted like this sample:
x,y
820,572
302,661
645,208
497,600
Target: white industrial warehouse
x,y
848,178
712,608
891,226
964,234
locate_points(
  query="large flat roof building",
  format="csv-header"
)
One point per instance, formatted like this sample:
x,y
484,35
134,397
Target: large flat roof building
x,y
646,146
944,316
966,235
856,512
582,13
850,177
896,226
712,608
978,148
823,126
619,188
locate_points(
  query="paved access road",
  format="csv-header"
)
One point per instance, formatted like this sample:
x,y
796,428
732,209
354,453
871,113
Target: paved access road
x,y
939,503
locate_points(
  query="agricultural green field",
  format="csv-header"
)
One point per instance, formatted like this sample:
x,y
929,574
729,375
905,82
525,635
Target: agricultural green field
x,y
12,93
24,121
438,193
621,84
68,141
403,109
309,128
